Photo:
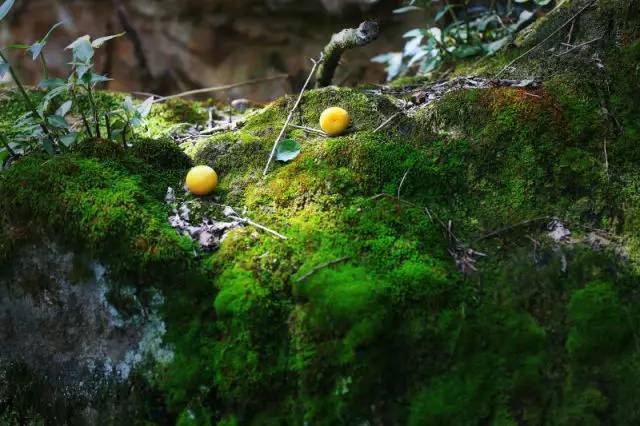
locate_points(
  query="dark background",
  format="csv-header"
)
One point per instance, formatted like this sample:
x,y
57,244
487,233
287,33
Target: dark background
x,y
172,46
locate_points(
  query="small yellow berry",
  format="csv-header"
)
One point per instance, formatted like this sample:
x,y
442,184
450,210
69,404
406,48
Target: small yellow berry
x,y
202,180
334,121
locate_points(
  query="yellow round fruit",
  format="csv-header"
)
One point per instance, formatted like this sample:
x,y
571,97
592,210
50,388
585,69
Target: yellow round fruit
x,y
201,180
334,121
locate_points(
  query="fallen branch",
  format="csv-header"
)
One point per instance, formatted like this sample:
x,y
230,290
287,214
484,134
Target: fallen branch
x,y
223,88
386,122
322,266
546,38
295,106
572,48
345,39
402,181
309,130
257,225
231,213
509,227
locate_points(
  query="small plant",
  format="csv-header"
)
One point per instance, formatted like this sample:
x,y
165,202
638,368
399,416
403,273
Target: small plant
x,y
45,125
457,31
127,118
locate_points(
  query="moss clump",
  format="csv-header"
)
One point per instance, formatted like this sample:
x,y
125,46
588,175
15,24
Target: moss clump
x,y
100,149
99,204
160,153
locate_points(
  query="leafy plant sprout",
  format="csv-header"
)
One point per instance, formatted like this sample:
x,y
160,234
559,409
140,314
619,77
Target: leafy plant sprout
x,y
46,127
6,66
457,31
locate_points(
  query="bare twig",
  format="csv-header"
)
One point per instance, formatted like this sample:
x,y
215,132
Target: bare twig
x,y
573,25
572,48
402,181
309,129
386,122
232,214
463,255
321,266
606,158
295,106
222,88
546,38
210,119
345,39
146,94
509,227
257,225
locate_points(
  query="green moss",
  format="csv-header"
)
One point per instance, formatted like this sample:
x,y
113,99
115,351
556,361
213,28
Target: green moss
x,y
360,314
160,153
598,323
99,204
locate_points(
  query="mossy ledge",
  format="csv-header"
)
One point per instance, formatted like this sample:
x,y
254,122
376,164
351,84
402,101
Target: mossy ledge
x,y
544,333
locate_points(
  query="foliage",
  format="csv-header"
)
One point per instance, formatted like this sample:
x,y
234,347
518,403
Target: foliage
x,y
457,32
45,124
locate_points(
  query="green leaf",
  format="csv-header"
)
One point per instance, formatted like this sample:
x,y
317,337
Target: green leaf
x,y
52,83
57,121
82,49
4,69
442,12
145,108
406,9
97,43
64,108
82,70
97,78
287,150
46,144
19,46
128,105
5,8
69,139
36,49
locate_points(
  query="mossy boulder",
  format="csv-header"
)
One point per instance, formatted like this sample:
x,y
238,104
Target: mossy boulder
x,y
361,315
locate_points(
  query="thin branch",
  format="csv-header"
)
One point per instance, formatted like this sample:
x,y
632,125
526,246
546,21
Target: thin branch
x,y
606,158
386,122
509,227
257,225
295,106
402,181
545,39
346,39
222,88
322,266
579,46
309,129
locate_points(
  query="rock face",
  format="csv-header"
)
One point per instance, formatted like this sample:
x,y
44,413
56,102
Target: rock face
x,y
83,335
174,46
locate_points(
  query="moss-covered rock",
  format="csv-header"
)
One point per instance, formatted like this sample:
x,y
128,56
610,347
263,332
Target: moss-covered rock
x,y
360,315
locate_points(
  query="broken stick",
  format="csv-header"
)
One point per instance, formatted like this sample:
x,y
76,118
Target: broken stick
x,y
345,39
